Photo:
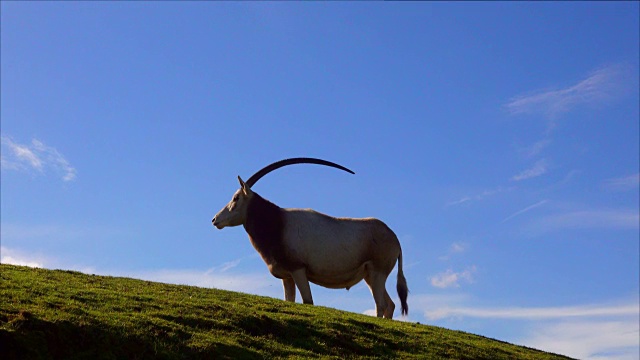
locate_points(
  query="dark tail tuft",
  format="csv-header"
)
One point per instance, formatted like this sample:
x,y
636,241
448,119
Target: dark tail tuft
x,y
401,286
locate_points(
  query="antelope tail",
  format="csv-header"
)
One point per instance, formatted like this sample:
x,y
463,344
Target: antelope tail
x,y
401,286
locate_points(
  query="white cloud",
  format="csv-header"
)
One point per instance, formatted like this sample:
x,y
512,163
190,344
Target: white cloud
x,y
370,312
261,283
600,86
535,313
23,155
36,259
457,247
528,208
35,157
13,257
479,197
55,160
459,201
616,219
229,265
538,169
450,278
588,339
247,283
568,178
592,331
626,183
609,331
536,148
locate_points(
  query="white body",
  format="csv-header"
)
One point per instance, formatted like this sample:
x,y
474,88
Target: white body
x,y
337,251
302,245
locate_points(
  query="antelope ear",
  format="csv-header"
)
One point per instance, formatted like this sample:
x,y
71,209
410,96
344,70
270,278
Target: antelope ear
x,y
243,186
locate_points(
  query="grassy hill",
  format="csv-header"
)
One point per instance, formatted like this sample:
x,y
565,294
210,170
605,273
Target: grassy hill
x,y
46,314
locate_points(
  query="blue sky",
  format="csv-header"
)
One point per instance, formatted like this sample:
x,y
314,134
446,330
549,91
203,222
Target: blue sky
x,y
499,141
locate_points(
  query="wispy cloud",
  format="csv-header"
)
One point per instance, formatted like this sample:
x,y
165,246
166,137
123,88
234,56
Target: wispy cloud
x,y
246,282
39,259
35,156
599,86
536,148
373,312
528,208
597,331
533,313
538,169
229,265
219,277
450,278
455,248
585,331
13,257
370,312
613,219
458,247
611,339
478,197
625,183
459,201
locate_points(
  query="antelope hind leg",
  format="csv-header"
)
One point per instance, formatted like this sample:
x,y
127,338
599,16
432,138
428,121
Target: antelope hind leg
x,y
388,312
376,284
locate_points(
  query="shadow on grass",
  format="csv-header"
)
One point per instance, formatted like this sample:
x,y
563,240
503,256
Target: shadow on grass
x,y
34,338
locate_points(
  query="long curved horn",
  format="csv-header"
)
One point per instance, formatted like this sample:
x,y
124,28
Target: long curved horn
x,y
278,164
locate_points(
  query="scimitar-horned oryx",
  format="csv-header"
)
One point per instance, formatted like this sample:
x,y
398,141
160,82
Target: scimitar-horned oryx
x,y
302,245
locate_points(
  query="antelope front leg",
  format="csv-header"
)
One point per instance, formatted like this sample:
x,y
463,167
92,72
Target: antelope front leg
x,y
300,279
289,289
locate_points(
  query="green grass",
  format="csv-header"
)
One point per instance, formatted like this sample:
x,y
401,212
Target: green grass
x,y
52,314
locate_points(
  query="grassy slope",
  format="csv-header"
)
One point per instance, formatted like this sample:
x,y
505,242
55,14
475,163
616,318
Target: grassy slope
x,y
63,314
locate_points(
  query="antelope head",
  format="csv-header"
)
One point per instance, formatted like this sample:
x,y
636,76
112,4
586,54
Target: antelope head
x,y
235,212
